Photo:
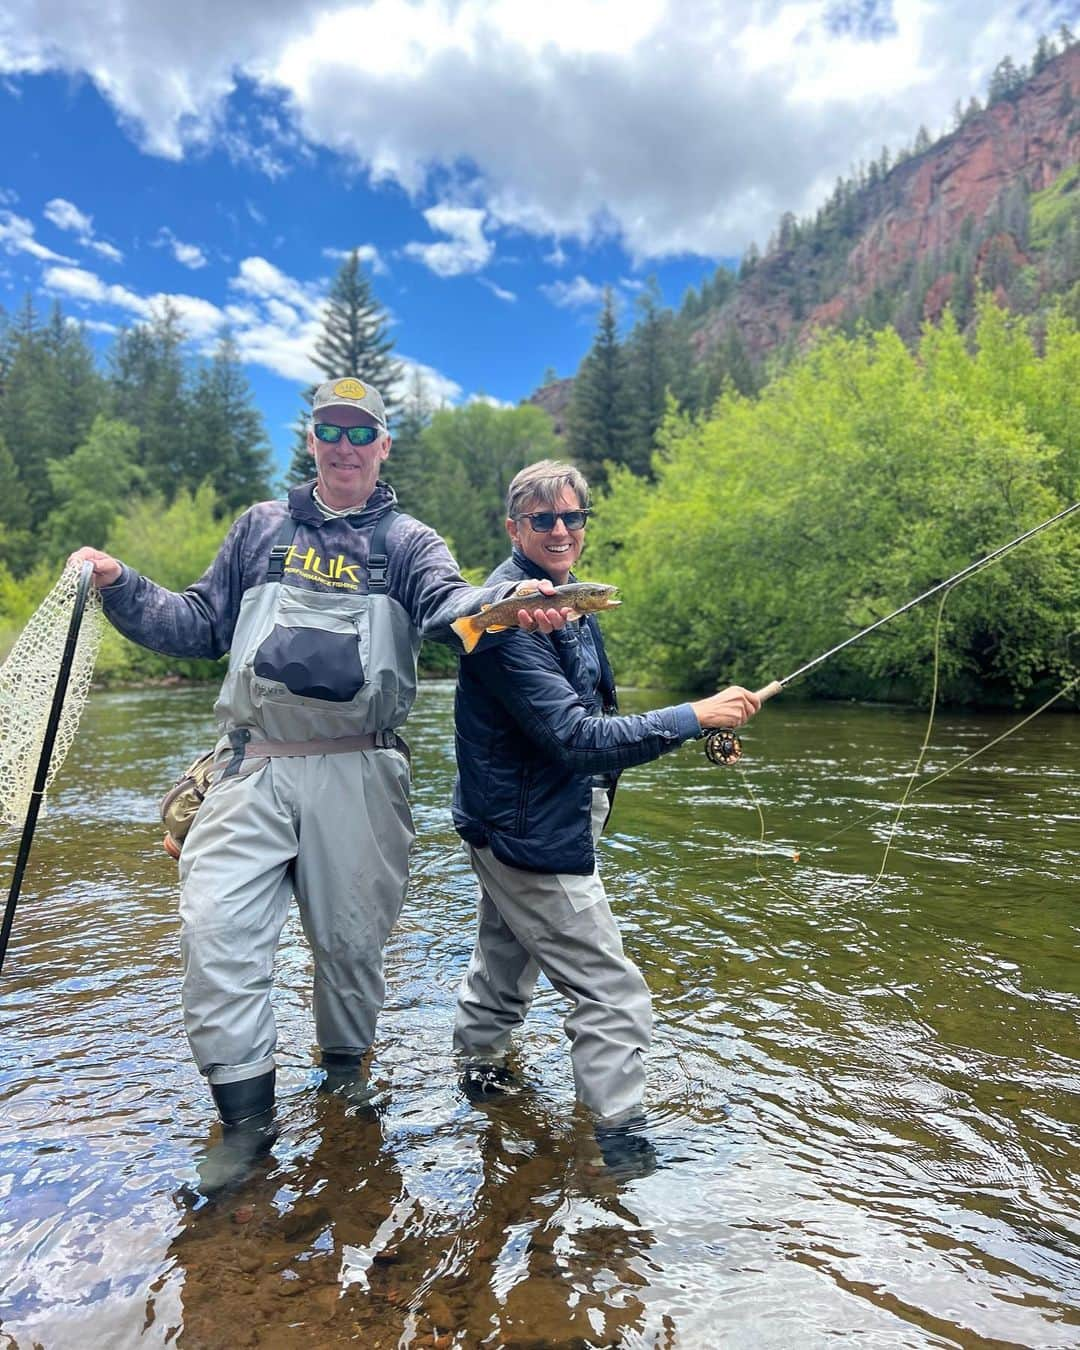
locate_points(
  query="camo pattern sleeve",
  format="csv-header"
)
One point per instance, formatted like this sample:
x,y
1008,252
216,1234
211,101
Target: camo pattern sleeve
x,y
199,621
425,579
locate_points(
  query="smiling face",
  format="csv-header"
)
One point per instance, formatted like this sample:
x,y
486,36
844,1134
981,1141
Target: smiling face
x,y
558,550
347,473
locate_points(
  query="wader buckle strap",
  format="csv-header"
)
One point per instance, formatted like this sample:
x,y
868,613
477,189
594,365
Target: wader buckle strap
x,y
275,567
336,745
238,739
378,559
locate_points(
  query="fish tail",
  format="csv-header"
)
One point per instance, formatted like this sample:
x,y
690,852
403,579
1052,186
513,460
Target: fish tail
x,y
470,630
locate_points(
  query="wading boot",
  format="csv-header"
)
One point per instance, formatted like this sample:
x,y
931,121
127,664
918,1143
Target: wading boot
x,y
248,1132
627,1153
483,1081
345,1076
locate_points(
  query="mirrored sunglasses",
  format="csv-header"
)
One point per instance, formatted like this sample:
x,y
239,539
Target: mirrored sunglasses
x,y
328,432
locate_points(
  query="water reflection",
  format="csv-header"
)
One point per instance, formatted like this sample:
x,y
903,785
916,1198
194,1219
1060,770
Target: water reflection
x,y
865,1105
484,1227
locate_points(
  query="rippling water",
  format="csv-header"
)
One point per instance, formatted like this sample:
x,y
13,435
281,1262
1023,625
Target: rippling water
x,y
865,1102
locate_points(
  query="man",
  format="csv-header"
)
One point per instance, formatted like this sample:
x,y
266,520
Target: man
x,y
321,602
539,747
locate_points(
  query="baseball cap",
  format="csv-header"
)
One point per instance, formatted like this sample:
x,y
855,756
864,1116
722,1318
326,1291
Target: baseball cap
x,y
350,393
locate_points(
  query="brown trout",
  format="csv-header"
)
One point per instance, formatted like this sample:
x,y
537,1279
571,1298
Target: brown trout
x,y
581,597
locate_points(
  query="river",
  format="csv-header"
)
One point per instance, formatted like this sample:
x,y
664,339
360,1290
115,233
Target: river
x,y
865,1103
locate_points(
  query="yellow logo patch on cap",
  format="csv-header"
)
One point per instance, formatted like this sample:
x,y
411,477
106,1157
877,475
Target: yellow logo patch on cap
x,y
349,389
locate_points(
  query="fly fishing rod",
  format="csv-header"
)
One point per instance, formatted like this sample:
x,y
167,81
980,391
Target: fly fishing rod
x,y
724,746
38,792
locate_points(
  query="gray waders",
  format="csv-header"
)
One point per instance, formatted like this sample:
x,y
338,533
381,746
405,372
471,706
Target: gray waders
x,y
309,799
562,925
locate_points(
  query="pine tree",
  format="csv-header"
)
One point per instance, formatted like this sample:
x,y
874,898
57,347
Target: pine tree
x,y
149,391
1043,55
600,425
731,368
649,363
405,469
226,437
354,341
15,537
28,424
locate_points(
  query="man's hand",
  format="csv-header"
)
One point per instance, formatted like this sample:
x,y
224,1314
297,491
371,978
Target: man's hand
x,y
106,569
729,708
541,620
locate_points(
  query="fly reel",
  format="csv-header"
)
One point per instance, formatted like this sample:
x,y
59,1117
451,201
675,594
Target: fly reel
x,y
723,747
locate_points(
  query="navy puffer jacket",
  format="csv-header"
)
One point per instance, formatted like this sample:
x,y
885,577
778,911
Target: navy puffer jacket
x,y
533,729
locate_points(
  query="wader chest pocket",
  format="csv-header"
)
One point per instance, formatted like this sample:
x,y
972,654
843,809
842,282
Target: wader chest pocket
x,y
312,662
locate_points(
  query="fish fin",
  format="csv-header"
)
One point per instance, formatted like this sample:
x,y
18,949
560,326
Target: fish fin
x,y
470,630
499,627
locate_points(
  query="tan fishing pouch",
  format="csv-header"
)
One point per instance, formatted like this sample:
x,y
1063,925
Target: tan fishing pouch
x,y
182,801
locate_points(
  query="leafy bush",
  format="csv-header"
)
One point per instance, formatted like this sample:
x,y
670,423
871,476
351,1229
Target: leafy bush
x,y
860,477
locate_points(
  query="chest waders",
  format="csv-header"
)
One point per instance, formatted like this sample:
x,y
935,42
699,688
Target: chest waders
x,y
319,813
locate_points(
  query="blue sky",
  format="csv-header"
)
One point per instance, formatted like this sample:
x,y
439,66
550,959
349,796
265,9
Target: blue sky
x,y
497,163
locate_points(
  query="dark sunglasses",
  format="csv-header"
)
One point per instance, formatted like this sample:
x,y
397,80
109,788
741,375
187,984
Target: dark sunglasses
x,y
326,431
543,522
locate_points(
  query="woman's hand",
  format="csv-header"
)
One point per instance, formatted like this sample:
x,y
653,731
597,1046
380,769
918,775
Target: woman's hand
x,y
729,708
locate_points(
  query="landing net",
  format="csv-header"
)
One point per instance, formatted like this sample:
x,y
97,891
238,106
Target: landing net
x,y
28,685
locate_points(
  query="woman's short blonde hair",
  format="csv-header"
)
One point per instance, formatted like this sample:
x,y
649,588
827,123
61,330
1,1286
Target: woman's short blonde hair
x,y
542,482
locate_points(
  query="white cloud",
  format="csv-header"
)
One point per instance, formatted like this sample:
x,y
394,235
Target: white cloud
x,y
190,255
497,291
106,250
269,333
439,389
681,125
367,253
17,236
201,319
490,401
574,294
468,250
262,279
66,215
78,284
275,325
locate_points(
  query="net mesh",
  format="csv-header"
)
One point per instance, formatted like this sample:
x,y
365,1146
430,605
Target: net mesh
x,y
28,686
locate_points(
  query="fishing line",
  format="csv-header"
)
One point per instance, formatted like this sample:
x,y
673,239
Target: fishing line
x,y
870,815
911,788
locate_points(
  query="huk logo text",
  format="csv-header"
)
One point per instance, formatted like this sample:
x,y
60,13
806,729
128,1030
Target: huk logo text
x,y
334,572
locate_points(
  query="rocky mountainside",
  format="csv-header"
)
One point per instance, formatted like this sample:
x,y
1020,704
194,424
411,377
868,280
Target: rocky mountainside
x,y
964,203
994,205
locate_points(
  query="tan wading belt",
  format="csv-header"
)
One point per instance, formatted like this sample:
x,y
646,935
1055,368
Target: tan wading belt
x,y
337,745
244,747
